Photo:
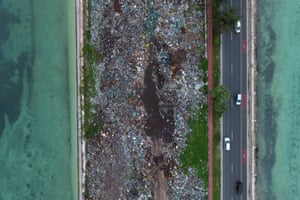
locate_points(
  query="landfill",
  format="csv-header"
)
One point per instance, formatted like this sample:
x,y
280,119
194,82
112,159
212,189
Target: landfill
x,y
148,85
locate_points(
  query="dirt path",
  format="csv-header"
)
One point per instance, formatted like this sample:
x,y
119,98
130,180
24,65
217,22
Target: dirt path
x,y
160,186
160,179
157,127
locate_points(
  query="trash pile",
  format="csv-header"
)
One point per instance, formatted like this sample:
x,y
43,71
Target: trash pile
x,y
150,83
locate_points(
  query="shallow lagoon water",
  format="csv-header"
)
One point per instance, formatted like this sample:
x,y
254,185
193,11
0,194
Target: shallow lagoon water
x,y
278,100
38,146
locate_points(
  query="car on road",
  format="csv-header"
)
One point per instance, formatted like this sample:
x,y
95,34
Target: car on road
x,y
227,143
238,187
237,27
238,99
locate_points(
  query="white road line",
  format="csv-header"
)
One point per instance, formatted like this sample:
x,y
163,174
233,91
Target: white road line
x,y
231,69
231,168
231,198
231,135
231,3
230,35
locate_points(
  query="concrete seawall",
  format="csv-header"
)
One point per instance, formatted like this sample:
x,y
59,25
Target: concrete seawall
x,y
79,62
252,99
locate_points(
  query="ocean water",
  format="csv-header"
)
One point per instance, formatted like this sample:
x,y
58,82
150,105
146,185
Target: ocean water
x,y
38,156
278,53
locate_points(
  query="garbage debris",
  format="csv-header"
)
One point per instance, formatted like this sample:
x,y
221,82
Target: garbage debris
x,y
150,83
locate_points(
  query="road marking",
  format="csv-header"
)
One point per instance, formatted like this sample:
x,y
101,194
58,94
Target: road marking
x,y
231,135
231,69
231,168
245,99
231,198
244,46
231,3
231,103
230,35
245,156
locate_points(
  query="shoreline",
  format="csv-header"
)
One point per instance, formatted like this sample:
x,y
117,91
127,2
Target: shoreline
x,y
81,143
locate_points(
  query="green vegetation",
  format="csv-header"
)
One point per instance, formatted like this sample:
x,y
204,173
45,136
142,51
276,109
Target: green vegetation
x,y
216,125
92,123
224,19
204,68
220,95
195,154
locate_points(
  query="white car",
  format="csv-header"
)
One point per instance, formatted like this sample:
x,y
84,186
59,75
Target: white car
x,y
237,26
227,143
238,99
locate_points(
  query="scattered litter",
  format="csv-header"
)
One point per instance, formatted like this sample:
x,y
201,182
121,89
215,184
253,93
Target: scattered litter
x,y
133,36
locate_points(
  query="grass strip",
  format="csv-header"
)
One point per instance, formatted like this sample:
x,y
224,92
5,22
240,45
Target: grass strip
x,y
216,125
92,123
195,154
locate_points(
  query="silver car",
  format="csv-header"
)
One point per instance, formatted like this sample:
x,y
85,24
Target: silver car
x,y
238,99
237,26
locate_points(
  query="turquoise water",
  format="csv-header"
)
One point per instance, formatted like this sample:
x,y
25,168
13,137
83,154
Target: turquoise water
x,y
37,100
278,100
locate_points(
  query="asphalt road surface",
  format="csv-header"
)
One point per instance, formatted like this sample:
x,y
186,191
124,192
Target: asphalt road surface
x,y
234,76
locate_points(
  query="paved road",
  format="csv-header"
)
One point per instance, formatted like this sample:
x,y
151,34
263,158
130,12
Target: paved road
x,y
234,120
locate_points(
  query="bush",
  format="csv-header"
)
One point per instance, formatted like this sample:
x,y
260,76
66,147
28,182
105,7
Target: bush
x,y
220,95
204,65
